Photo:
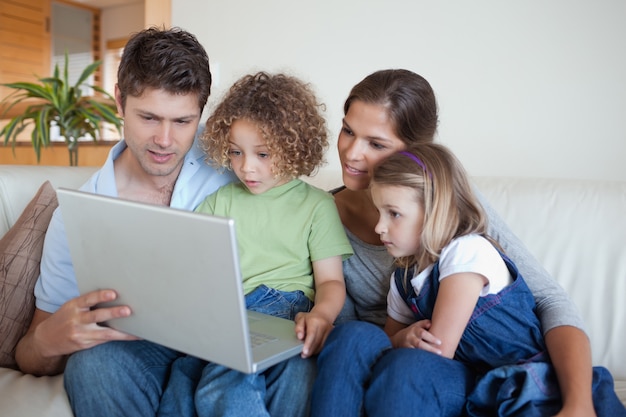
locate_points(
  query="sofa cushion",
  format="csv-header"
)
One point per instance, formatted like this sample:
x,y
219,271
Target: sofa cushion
x,y
20,254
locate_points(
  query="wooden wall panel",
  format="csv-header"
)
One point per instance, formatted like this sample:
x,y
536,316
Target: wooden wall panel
x,y
89,154
34,4
23,10
21,56
24,41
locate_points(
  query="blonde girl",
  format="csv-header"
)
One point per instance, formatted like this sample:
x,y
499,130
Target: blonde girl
x,y
454,280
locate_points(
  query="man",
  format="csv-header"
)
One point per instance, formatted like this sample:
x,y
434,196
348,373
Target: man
x,y
164,82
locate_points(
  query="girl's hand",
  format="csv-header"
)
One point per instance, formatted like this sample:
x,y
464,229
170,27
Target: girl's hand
x,y
313,329
417,336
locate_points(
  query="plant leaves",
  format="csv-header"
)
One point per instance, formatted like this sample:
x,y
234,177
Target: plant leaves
x,y
75,115
87,72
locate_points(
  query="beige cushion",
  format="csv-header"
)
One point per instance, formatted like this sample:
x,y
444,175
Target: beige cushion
x,y
20,253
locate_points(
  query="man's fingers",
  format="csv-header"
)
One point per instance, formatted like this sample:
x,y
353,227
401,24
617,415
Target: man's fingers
x,y
100,315
95,297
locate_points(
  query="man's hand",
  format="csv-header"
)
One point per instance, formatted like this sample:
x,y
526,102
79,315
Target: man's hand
x,y
73,327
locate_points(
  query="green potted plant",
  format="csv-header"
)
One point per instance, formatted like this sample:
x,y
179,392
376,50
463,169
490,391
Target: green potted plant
x,y
57,103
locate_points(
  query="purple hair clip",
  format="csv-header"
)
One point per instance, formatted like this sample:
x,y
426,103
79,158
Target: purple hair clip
x,y
417,161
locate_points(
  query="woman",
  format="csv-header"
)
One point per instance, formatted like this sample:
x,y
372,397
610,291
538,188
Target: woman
x,y
384,113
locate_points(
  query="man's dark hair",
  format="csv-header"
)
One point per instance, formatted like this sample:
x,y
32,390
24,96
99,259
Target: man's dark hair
x,y
168,59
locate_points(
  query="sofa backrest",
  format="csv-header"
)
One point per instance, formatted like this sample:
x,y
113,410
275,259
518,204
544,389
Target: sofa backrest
x,y
577,231
19,183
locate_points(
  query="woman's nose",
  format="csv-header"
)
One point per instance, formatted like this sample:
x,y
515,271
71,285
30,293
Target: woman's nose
x,y
355,150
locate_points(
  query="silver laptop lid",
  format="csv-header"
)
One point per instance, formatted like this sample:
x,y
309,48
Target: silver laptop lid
x,y
177,270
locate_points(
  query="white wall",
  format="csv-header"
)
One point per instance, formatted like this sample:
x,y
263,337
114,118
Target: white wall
x,y
526,87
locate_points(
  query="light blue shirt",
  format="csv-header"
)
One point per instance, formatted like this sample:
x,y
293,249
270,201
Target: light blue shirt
x,y
57,283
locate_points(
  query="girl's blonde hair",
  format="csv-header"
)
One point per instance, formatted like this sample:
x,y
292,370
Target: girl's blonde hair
x,y
442,188
287,114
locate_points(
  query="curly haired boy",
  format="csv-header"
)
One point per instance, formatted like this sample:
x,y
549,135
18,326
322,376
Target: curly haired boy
x,y
269,131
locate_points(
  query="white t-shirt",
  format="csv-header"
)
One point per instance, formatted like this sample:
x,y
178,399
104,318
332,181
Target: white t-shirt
x,y
469,253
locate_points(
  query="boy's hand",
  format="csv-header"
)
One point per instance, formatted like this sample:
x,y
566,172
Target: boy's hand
x,y
313,328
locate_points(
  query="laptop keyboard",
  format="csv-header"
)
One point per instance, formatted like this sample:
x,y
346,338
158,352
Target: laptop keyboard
x,y
257,339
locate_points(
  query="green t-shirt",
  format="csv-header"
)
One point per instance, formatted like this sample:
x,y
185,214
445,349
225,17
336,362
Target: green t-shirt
x,y
280,232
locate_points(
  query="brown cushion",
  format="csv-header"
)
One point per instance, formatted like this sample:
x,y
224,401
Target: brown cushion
x,y
20,253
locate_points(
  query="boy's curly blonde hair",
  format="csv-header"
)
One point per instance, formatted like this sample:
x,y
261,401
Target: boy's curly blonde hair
x,y
288,116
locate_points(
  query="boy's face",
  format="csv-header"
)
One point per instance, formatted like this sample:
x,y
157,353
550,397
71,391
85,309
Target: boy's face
x,y
159,129
250,158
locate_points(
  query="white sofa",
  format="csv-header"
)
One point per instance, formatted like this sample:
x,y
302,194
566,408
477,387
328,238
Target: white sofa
x,y
577,229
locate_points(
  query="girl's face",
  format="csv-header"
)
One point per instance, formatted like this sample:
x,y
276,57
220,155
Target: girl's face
x,y
250,159
401,218
366,138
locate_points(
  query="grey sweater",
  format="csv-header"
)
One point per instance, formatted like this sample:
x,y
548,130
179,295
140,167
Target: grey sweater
x,y
368,271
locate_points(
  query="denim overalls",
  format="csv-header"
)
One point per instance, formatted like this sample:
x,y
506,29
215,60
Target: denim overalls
x,y
504,344
502,330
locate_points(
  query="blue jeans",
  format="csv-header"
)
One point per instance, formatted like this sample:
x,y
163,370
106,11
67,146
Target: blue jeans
x,y
531,390
118,378
359,372
281,390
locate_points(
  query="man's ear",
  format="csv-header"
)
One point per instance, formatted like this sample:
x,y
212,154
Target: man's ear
x,y
118,101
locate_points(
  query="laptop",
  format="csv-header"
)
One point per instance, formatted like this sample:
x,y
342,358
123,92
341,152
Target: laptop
x,y
179,273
